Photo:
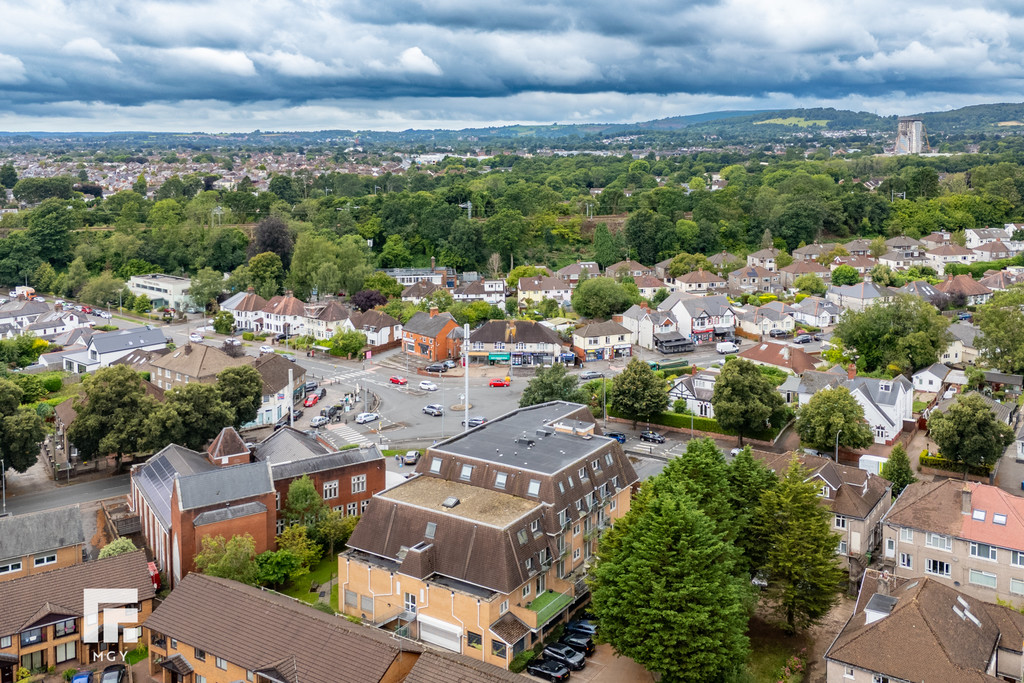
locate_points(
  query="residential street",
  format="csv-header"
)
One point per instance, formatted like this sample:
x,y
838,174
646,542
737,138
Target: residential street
x,y
53,497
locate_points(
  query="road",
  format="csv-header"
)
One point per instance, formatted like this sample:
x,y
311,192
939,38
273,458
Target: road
x,y
84,492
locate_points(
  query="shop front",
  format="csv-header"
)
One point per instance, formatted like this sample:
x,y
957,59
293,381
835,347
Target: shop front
x,y
493,358
622,350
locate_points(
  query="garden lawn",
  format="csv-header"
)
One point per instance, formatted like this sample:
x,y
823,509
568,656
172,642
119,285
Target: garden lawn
x,y
321,573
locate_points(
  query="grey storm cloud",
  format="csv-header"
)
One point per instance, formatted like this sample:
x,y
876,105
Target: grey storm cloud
x,y
478,61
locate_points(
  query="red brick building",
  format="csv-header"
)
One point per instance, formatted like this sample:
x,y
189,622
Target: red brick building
x,y
432,336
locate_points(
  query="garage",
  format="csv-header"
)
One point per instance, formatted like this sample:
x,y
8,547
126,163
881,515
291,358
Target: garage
x,y
437,632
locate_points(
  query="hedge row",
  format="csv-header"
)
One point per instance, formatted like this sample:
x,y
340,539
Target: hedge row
x,y
950,466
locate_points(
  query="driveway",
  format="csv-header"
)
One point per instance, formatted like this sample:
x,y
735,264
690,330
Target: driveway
x,y
606,667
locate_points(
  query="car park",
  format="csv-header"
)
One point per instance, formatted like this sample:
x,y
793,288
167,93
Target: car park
x,y
363,418
195,337
548,669
427,385
653,437
434,409
400,381
266,349
319,421
411,458
436,367
449,363
311,400
566,655
475,421
590,374
114,673
618,436
580,642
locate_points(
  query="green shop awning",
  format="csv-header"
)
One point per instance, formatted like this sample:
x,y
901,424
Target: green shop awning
x,y
498,356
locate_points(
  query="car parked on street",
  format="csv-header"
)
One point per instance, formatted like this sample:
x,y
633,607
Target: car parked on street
x,y
436,367
653,437
363,418
805,339
311,400
588,375
319,421
499,382
427,385
231,341
565,655
618,436
778,334
400,381
548,669
434,410
311,386
266,349
195,337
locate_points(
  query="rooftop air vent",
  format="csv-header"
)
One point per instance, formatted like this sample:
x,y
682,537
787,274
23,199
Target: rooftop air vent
x,y
450,502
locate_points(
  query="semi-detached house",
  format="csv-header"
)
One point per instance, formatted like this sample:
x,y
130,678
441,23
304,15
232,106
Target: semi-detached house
x,y
701,318
602,341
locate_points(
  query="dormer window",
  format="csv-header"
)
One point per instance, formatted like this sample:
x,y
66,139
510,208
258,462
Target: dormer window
x,y
884,386
824,492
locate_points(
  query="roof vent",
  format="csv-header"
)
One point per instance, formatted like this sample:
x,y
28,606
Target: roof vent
x,y
450,502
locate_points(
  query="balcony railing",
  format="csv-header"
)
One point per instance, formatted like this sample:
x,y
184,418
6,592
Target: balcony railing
x,y
549,604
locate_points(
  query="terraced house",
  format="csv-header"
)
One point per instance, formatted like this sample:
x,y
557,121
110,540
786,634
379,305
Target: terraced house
x,y
488,544
40,542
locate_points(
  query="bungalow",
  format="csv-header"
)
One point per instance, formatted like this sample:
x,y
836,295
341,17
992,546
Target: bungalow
x,y
426,335
443,276
923,290
766,259
816,312
602,341
103,349
40,542
964,285
941,256
992,251
785,357
517,342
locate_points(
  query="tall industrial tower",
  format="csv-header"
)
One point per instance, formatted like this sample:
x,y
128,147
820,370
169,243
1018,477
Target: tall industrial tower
x,y
910,136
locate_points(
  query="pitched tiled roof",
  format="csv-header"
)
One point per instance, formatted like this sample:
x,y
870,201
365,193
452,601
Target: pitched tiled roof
x,y
420,290
424,325
512,331
802,267
699,276
198,361
542,283
273,369
852,498
950,250
245,301
435,666
24,600
261,631
963,284
372,318
288,444
22,535
780,355
509,628
285,304
628,264
603,329
227,443
328,461
723,257
333,311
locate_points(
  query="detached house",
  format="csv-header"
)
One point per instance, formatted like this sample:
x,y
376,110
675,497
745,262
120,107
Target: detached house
x,y
762,320
963,348
816,312
696,389
859,296
975,237
811,252
428,335
755,279
785,357
415,293
487,547
602,341
941,256
697,282
246,308
993,251
964,285
765,259
103,349
379,327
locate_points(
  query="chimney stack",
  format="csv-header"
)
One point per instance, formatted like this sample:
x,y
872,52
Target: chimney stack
x,y
433,311
643,305
965,499
433,263
851,371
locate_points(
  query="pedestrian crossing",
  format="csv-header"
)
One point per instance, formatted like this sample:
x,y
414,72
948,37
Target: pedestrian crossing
x,y
342,435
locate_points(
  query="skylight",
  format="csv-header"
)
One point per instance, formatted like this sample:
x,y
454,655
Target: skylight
x,y
978,515
999,519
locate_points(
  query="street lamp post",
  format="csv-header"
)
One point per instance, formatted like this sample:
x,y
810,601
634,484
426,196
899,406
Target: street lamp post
x,y
837,444
3,484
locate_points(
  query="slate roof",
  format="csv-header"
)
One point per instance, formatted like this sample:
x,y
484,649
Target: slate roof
x,y
260,630
723,257
60,591
542,283
22,535
923,638
852,498
965,332
608,328
921,288
940,370
699,276
231,512
801,267
245,301
223,485
1002,411
329,461
288,444
424,325
133,338
512,331
273,369
862,290
198,361
714,305
155,477
420,289
591,267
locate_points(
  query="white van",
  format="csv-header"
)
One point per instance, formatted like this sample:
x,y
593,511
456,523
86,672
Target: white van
x,y
727,347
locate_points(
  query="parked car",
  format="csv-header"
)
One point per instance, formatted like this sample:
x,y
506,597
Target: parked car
x,y
500,382
548,669
323,393
311,386
449,363
434,409
334,410
82,677
436,367
86,309
411,457
736,451
231,341
726,347
778,334
319,421
296,414
580,642
195,337
400,381
311,401
105,315
804,339
114,673
587,626
566,655
282,337
964,316
475,421
588,375
653,437
618,436
427,385
288,357
363,418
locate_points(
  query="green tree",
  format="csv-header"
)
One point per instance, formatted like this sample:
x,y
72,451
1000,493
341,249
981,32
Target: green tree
x,y
506,232
600,297
223,322
21,430
77,276
845,275
111,413
233,559
748,479
49,227
665,591
831,413
1001,321
8,176
608,249
295,539
745,400
275,568
897,469
638,393
266,273
687,263
334,530
190,416
44,277
102,289
968,433
395,253
166,213
347,343
550,384
809,283
303,504
120,546
906,333
140,185
519,272
804,577
142,304
205,287
383,283
241,388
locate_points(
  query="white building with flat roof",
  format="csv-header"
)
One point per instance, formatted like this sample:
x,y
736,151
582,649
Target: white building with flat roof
x,y
163,290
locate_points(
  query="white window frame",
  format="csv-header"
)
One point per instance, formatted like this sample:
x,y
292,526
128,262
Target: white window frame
x,y
466,472
906,561
526,590
11,567
221,663
931,566
353,509
1016,558
938,541
503,607
988,579
848,672
359,483
435,465
534,488
840,522
1017,586
841,548
331,489
906,535
977,550
44,560
500,480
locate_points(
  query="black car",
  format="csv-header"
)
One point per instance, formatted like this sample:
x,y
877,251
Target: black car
x,y
548,669
805,339
618,436
580,642
281,337
566,655
297,412
585,626
334,410
114,673
653,437
436,367
778,334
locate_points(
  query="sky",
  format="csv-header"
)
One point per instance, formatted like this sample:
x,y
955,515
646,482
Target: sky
x,y
236,66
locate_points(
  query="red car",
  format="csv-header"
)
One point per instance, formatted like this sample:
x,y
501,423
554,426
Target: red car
x,y
500,382
401,381
311,400
86,309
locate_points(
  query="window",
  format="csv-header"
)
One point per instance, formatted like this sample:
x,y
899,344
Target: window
x,y
431,530
174,644
435,465
64,628
608,458
467,473
200,679
280,527
938,541
277,499
10,567
984,551
474,640
999,519
248,676
498,649
503,607
561,487
847,672
596,465
359,483
824,492
906,561
571,483
1017,558
330,490
43,560
841,550
906,535
222,664
353,509
339,508
363,505
535,526
576,530
526,590
534,488
200,655
351,598
410,602
366,603
5,642
583,474
612,505
575,554
65,652
500,479
1017,586
937,567
563,517
32,636
978,515
980,578
879,679
522,536
840,522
